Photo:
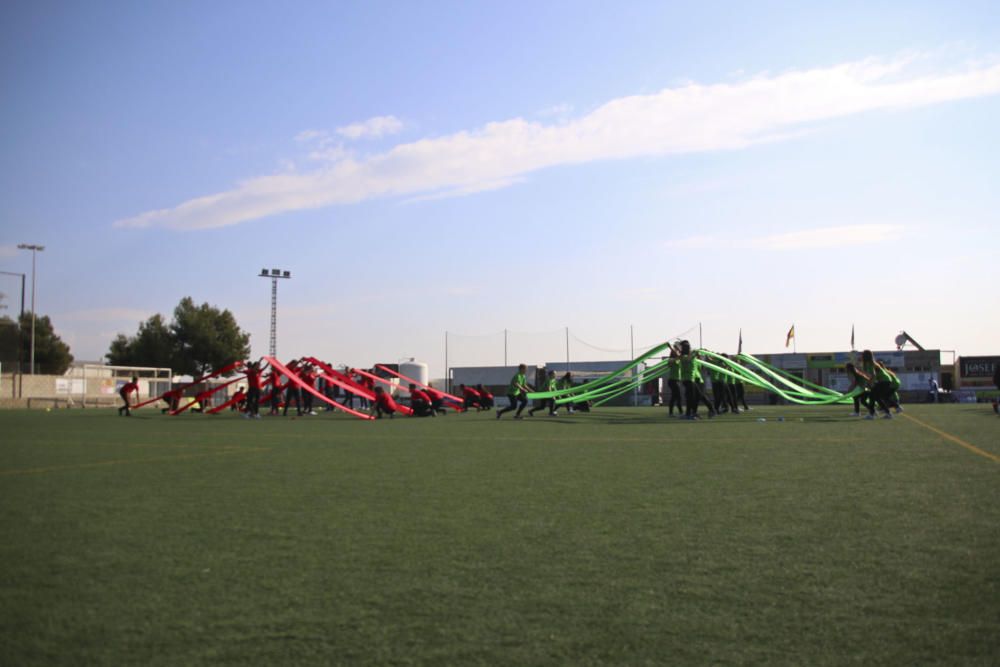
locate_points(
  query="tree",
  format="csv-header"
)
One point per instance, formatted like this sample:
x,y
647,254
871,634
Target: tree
x,y
10,343
52,355
206,338
199,339
154,345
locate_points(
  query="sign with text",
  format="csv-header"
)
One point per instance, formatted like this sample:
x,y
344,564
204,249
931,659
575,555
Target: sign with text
x,y
978,367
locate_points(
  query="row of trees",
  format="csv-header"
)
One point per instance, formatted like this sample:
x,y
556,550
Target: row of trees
x,y
197,340
52,355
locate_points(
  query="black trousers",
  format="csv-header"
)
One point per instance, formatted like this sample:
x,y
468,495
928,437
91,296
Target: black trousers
x,y
720,392
881,393
695,395
307,401
125,408
422,409
549,403
253,400
292,394
516,402
675,396
741,395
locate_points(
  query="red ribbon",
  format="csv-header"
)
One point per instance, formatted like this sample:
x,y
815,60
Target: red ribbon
x,y
423,386
225,370
294,379
206,394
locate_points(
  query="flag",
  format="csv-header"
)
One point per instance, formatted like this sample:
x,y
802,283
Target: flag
x,y
739,348
852,336
790,336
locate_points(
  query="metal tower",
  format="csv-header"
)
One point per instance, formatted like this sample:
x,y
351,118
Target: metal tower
x,y
274,274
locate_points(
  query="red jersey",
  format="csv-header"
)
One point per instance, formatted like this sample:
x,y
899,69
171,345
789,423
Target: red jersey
x,y
417,395
129,388
253,378
469,392
384,401
434,394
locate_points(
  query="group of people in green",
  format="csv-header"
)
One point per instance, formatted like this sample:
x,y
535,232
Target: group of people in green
x,y
879,386
684,370
873,385
517,394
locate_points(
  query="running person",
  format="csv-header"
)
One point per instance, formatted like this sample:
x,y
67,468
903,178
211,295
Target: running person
x,y
126,390
517,392
551,384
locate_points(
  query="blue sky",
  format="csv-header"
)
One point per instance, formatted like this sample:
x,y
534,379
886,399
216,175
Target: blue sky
x,y
471,167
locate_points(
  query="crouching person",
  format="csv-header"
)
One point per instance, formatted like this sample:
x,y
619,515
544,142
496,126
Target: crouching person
x,y
383,404
421,402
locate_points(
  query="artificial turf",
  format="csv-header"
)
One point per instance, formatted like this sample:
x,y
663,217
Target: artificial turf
x,y
615,537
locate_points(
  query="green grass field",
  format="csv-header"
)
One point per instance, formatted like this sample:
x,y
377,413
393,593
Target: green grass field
x,y
618,537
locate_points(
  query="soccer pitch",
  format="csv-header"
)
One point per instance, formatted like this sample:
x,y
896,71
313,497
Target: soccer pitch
x,y
615,537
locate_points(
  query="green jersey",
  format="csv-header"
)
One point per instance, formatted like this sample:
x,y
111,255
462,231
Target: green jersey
x,y
882,375
688,367
516,383
674,369
553,384
565,384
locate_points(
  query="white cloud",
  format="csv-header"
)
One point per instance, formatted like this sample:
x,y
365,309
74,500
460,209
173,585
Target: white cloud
x,y
820,237
685,119
830,237
373,128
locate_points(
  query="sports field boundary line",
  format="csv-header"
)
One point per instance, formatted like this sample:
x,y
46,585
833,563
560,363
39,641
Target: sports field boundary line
x,y
115,462
953,438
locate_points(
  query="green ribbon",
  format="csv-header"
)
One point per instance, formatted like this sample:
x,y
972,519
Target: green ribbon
x,y
759,374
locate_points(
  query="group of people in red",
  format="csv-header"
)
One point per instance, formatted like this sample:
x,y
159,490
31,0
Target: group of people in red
x,y
479,397
300,381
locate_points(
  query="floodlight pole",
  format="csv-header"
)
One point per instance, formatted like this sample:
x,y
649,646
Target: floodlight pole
x,y
567,349
35,249
274,274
